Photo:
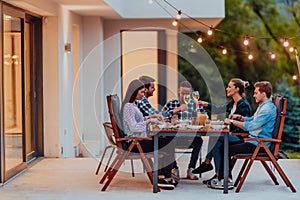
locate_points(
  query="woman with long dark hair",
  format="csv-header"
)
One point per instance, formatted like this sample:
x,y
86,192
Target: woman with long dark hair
x,y
135,125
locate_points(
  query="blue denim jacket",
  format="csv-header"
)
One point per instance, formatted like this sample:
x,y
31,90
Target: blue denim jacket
x,y
261,124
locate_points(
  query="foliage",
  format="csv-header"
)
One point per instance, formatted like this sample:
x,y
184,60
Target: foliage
x,y
266,22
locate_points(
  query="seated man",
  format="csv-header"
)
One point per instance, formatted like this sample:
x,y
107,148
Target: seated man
x,y
260,125
179,108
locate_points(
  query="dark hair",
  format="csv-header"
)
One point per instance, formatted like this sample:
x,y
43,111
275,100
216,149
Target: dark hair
x,y
185,84
264,86
131,93
147,80
239,83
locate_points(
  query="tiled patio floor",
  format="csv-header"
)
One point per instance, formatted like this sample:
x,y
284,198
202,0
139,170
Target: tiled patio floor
x,y
74,178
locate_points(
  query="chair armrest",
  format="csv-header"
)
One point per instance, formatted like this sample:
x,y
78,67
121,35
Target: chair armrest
x,y
242,135
132,138
263,139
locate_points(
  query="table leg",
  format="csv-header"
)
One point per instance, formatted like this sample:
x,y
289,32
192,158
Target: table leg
x,y
155,174
226,163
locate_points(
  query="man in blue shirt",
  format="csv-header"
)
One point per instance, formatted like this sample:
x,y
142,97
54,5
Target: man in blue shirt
x,y
260,125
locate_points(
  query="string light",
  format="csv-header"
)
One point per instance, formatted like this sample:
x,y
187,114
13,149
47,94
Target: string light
x,y
250,56
200,39
178,16
224,51
174,23
272,56
286,42
246,40
210,31
295,77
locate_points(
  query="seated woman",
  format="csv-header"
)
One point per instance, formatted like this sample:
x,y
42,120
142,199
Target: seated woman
x,y
135,124
237,105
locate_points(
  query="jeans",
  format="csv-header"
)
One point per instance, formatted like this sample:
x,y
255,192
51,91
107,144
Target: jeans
x,y
216,151
196,144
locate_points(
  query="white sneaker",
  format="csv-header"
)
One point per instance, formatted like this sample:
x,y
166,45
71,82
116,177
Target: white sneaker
x,y
190,175
216,184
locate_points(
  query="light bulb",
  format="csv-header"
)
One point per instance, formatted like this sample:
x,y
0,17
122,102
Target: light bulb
x,y
272,56
250,56
246,40
174,23
224,51
295,77
150,1
286,42
178,16
291,49
199,40
209,32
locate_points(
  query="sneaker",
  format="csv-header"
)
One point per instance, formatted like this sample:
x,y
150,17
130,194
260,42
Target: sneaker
x,y
174,182
164,184
190,175
175,174
209,180
203,168
219,184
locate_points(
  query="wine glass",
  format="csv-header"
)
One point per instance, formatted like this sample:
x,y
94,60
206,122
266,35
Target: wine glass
x,y
196,96
187,98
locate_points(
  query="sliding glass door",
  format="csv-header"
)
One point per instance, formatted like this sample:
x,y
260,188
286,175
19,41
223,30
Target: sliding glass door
x,y
13,93
21,91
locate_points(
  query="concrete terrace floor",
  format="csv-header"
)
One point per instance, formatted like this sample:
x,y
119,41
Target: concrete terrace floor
x,y
74,178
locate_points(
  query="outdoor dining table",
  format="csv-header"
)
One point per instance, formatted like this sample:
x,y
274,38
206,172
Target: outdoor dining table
x,y
188,132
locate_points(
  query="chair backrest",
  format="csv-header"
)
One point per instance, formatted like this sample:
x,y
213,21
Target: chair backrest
x,y
113,103
109,133
281,104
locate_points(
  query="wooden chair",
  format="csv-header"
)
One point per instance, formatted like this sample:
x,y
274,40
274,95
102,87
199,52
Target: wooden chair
x,y
124,151
271,154
111,145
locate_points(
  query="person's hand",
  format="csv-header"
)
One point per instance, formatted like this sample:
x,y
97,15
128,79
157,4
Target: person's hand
x,y
202,103
183,107
226,121
157,116
235,116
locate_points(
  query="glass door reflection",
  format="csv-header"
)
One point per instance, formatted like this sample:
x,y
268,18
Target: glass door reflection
x,y
13,90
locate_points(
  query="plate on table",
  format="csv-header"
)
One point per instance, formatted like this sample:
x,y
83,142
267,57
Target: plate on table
x,y
218,122
195,127
161,126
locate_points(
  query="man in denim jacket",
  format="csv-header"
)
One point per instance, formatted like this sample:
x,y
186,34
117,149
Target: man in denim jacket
x,y
260,125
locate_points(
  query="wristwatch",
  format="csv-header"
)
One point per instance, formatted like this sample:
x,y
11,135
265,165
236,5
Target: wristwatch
x,y
231,122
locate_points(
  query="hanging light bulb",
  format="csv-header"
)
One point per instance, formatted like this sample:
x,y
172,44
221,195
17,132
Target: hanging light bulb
x,y
174,23
250,56
150,1
246,40
272,56
210,31
286,42
295,77
178,16
224,51
291,49
200,39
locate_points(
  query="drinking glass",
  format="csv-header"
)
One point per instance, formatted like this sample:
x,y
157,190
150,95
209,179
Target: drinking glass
x,y
187,98
196,96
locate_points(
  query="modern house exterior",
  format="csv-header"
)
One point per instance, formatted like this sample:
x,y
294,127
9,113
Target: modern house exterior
x,y
60,58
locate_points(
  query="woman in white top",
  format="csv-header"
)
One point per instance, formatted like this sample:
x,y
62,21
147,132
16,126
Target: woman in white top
x,y
135,124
